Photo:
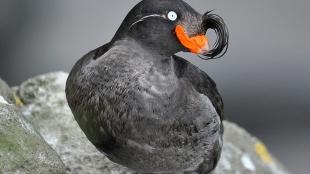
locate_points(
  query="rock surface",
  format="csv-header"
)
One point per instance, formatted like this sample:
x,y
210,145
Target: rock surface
x,y
47,109
22,149
245,154
5,92
45,106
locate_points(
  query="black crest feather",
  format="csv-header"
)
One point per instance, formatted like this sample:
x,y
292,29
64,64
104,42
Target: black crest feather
x,y
216,23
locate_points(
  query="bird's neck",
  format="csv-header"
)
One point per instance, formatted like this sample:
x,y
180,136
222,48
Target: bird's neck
x,y
161,60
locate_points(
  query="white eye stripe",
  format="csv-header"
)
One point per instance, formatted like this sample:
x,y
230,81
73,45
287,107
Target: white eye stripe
x,y
172,16
143,18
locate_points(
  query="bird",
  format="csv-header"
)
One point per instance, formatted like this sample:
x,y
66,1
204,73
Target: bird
x,y
143,106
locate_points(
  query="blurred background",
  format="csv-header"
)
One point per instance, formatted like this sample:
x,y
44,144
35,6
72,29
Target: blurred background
x,y
264,78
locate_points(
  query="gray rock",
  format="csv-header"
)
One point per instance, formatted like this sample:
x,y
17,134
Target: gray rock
x,y
46,107
6,92
22,149
245,154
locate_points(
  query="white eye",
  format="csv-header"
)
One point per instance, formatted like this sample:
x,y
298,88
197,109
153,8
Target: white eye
x,y
172,16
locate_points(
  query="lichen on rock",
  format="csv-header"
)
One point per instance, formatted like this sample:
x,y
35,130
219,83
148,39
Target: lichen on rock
x,y
241,156
22,149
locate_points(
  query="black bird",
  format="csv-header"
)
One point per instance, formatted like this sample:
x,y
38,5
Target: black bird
x,y
143,106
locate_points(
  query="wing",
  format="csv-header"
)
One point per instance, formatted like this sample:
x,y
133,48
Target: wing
x,y
92,55
79,96
201,81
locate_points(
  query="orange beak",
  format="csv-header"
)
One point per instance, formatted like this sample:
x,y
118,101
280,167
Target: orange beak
x,y
198,44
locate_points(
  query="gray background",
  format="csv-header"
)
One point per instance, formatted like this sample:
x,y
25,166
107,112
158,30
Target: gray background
x,y
264,78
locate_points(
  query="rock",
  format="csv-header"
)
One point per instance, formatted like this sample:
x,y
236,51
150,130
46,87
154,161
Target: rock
x,y
245,154
45,106
22,149
6,92
47,109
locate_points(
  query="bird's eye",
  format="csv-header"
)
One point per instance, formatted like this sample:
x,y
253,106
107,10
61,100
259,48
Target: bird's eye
x,y
172,16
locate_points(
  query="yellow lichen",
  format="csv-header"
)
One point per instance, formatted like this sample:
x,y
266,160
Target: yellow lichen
x,y
263,153
18,102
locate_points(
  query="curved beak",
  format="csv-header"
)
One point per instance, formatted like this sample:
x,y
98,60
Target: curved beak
x,y
197,44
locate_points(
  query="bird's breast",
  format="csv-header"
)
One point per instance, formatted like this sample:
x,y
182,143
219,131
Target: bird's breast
x,y
157,85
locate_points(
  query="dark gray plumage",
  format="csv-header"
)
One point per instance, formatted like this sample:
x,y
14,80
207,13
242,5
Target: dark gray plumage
x,y
141,105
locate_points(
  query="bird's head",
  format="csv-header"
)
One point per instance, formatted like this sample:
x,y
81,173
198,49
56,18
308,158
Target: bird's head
x,y
171,26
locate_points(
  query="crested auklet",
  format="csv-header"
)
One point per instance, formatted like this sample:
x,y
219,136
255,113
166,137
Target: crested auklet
x,y
143,106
